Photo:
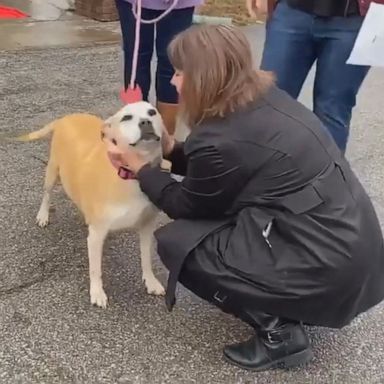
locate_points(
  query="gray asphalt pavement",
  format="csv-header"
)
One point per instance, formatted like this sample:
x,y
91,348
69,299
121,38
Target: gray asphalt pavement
x,y
50,334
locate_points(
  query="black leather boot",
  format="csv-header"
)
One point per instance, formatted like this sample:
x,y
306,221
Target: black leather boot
x,y
278,342
284,346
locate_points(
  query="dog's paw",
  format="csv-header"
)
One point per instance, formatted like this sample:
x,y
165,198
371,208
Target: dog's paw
x,y
154,287
42,218
98,297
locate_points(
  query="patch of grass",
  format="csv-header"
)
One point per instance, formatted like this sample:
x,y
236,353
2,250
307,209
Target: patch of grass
x,y
235,9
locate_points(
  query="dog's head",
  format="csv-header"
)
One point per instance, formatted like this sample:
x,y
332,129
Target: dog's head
x,y
139,125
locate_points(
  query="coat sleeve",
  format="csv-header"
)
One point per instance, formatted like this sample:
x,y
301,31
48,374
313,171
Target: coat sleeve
x,y
211,183
178,159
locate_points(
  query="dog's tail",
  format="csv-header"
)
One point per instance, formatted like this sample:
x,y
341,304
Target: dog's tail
x,y
35,135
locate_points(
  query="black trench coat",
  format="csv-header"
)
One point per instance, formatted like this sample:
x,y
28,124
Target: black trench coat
x,y
284,209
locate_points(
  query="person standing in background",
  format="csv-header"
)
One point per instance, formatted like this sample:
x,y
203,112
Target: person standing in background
x,y
301,32
176,21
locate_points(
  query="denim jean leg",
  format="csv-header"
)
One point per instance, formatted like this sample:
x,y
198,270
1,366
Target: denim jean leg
x,y
174,23
127,23
289,49
337,83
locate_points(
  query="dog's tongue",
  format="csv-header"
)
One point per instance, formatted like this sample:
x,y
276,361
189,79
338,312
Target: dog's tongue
x,y
126,174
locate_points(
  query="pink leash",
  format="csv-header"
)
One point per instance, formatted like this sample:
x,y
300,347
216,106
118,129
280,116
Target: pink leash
x,y
133,93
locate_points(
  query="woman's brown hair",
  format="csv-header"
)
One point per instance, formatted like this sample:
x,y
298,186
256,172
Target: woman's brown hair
x,y
219,78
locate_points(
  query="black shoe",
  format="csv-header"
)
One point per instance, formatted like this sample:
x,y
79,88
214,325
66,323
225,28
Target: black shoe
x,y
285,346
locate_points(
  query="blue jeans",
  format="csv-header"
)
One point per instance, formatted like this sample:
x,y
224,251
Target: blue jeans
x,y
294,41
166,29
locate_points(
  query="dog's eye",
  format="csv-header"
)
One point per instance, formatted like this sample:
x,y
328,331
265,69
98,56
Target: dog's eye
x,y
114,142
127,118
152,112
102,135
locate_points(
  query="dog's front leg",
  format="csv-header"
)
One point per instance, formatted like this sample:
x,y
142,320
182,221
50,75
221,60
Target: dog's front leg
x,y
96,237
153,285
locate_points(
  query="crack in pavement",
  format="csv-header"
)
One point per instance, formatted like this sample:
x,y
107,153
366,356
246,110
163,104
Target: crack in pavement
x,y
45,274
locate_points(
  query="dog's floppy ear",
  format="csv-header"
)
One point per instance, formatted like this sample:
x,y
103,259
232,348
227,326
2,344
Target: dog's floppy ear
x,y
107,122
104,128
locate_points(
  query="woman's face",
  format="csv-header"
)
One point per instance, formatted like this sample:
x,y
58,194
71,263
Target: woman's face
x,y
177,80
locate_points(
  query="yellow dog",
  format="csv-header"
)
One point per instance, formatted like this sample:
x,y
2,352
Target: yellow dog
x,y
81,155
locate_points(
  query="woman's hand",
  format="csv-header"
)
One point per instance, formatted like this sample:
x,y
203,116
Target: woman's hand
x,y
167,143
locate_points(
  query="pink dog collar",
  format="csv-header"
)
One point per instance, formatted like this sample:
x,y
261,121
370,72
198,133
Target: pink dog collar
x,y
126,174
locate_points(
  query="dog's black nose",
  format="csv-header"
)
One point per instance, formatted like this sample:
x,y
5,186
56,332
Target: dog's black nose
x,y
147,131
145,124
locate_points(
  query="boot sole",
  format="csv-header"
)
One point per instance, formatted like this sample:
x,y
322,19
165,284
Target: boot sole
x,y
291,361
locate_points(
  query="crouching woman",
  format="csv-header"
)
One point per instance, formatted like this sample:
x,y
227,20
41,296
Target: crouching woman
x,y
270,222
